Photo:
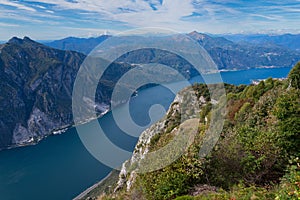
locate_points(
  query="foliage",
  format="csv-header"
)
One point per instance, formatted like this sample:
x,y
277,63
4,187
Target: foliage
x,y
290,186
237,192
186,197
173,180
205,112
264,135
287,110
294,76
250,161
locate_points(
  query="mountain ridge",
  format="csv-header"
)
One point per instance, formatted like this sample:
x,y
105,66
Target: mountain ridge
x,y
83,45
288,40
28,73
36,90
225,53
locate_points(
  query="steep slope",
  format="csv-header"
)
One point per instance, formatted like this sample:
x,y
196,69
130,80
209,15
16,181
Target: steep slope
x,y
36,84
36,87
256,157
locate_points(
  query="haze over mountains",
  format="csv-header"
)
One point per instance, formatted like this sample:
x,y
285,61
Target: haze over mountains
x,y
83,45
279,51
289,41
36,80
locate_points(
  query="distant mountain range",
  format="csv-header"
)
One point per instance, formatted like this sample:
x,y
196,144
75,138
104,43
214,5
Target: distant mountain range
x,y
83,45
227,54
289,41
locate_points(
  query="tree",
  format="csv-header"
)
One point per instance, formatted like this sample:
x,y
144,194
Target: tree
x,y
294,76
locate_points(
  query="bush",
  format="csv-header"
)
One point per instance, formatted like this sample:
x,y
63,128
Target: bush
x,y
290,186
287,111
294,76
173,180
240,192
185,198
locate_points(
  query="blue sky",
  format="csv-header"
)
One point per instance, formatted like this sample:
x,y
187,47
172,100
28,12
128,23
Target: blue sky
x,y
53,19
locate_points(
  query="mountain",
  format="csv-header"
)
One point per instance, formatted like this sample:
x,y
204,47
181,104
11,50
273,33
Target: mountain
x,y
256,155
34,78
83,45
290,41
230,55
227,54
36,84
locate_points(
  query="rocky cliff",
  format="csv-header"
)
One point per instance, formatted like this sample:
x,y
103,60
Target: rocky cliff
x,y
182,115
36,84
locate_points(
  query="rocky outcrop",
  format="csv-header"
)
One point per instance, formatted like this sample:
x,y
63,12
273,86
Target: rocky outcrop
x,y
184,105
36,84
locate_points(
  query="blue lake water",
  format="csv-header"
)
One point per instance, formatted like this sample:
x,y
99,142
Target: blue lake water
x,y
60,168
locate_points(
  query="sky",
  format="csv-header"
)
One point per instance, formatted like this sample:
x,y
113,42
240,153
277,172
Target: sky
x,y
56,19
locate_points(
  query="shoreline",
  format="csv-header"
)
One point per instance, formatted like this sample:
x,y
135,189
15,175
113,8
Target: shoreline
x,y
62,130
54,132
86,191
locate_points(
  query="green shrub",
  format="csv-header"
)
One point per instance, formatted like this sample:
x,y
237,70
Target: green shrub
x,y
287,111
294,76
185,198
240,192
173,180
290,185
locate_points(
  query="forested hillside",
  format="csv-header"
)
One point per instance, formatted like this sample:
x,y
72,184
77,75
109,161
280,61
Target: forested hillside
x,y
256,157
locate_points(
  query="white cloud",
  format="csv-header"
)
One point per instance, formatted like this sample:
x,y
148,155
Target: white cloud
x,y
216,16
268,17
49,11
134,13
8,25
170,12
39,6
16,5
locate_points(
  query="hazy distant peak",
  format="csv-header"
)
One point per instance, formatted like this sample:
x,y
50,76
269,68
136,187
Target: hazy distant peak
x,y
83,45
15,40
19,41
27,39
198,36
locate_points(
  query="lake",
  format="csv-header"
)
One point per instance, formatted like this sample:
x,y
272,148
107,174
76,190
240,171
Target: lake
x,y
60,168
